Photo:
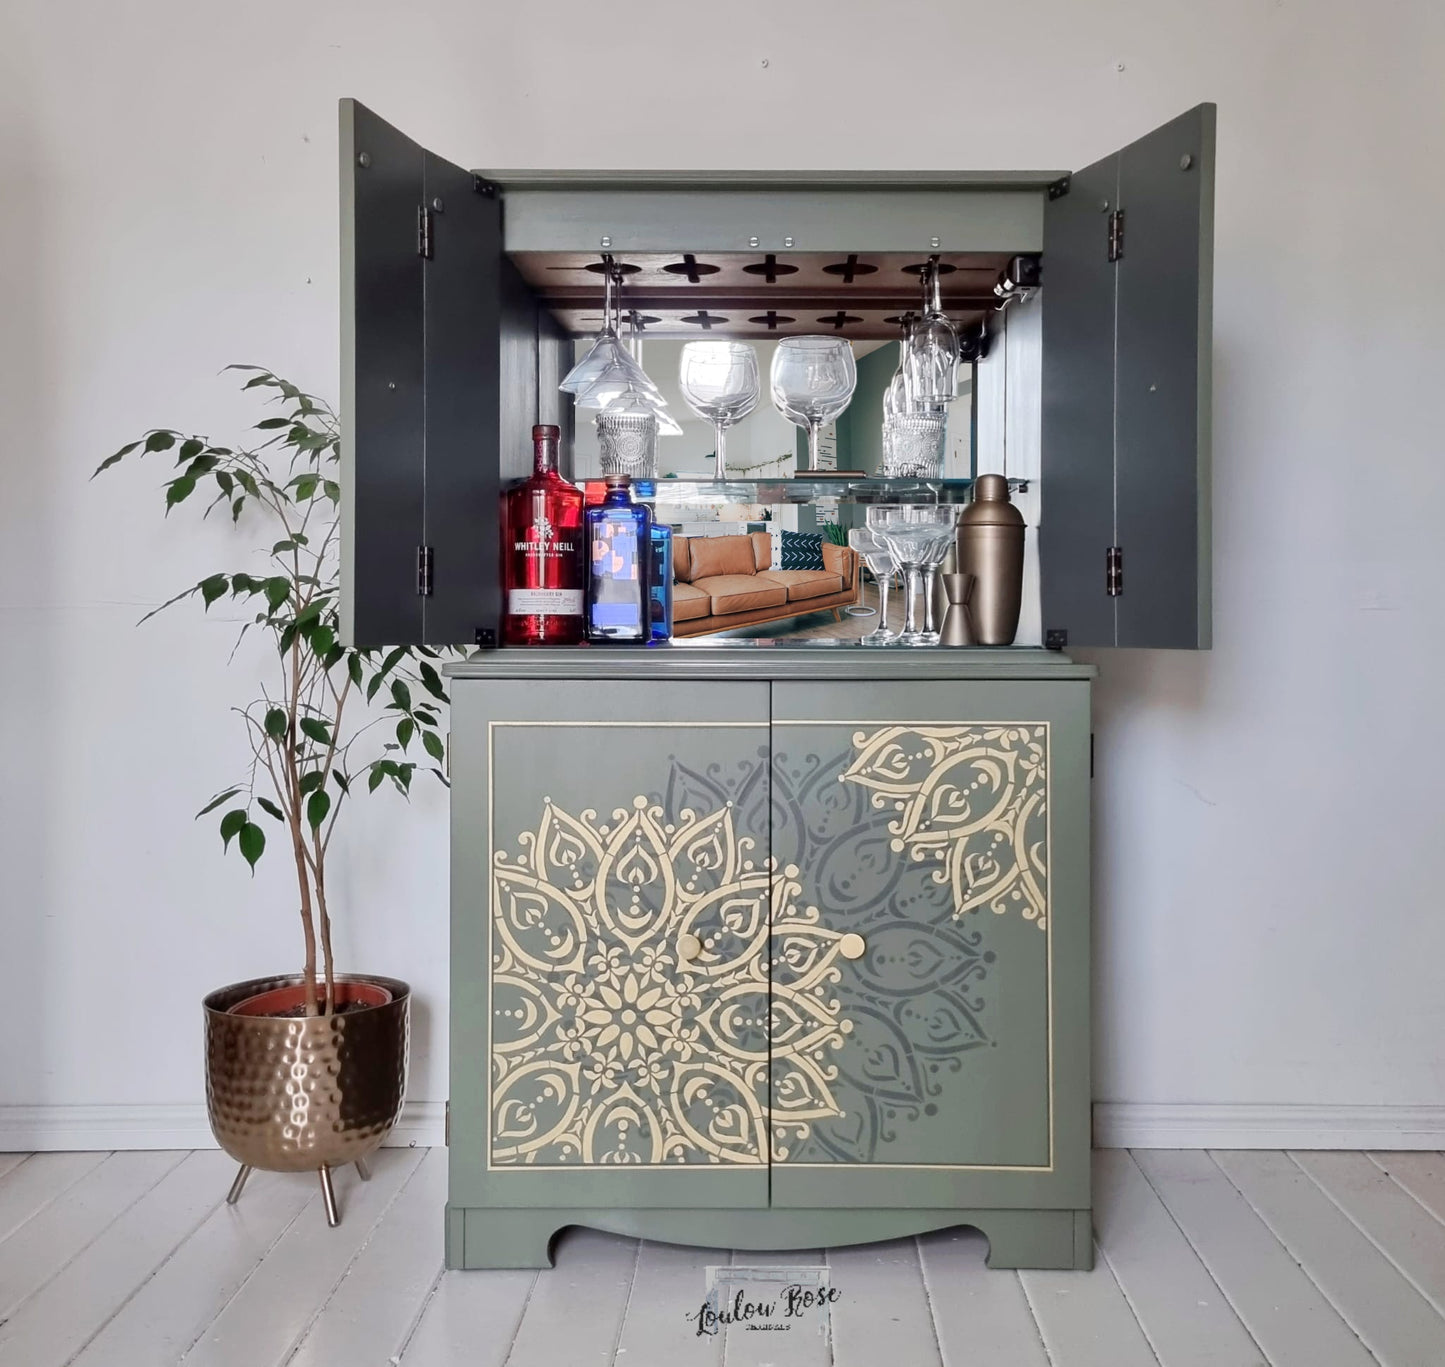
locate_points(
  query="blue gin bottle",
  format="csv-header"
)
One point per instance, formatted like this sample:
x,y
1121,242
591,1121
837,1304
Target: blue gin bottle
x,y
660,581
619,545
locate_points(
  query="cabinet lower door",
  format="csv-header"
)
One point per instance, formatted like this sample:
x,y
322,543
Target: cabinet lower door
x,y
930,960
610,937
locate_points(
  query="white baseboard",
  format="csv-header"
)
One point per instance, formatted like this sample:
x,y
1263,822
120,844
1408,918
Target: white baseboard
x,y
1145,1125
28,1129
1117,1125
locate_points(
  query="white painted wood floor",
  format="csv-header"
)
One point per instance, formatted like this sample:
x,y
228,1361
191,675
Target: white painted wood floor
x,y
1205,1260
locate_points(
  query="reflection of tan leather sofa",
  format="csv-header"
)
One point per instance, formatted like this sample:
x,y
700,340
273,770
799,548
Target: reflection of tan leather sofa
x,y
721,582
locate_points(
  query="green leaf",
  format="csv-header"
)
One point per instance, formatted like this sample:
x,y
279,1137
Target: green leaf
x,y
434,746
213,588
373,686
178,489
305,487
276,723
225,483
322,639
271,808
236,510
216,801
231,825
426,714
317,805
401,695
310,781
280,546
310,613
432,682
247,481
393,658
404,729
244,583
287,637
342,781
160,441
252,840
268,424
278,590
119,455
332,490
190,449
316,730
353,667
378,776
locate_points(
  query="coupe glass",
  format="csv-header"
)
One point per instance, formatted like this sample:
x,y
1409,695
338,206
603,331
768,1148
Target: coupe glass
x,y
918,538
931,356
719,380
866,542
813,380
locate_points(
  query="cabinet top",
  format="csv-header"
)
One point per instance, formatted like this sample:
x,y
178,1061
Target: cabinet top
x,y
746,659
768,180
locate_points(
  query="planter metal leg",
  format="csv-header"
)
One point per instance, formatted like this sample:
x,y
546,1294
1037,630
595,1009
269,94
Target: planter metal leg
x,y
362,1170
329,1196
234,1194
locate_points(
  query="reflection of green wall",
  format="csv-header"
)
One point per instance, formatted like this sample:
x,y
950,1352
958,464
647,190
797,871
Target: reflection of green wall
x,y
860,430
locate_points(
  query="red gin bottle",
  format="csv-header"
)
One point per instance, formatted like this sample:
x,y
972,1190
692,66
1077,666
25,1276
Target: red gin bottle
x,y
545,554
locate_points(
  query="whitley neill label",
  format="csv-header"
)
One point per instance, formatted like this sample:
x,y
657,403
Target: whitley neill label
x,y
545,602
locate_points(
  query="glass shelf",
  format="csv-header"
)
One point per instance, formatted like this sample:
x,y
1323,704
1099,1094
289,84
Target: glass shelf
x,y
804,488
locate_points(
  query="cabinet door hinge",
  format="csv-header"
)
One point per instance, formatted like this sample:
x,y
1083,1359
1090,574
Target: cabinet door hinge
x,y
424,561
424,232
1114,571
447,1125
1116,235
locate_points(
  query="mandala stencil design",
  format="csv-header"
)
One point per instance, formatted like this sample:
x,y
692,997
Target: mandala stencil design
x,y
972,797
610,1047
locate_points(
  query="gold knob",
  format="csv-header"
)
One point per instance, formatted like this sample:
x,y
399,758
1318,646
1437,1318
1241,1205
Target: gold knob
x,y
689,947
851,946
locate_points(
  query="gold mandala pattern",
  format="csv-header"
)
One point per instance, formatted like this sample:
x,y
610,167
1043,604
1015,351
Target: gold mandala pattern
x,y
975,798
608,1046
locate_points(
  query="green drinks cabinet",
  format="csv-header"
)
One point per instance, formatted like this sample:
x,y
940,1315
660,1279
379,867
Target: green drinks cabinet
x,y
756,944
769,948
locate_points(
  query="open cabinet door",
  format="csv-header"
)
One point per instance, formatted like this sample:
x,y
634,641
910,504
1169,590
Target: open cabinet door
x,y
421,256
1124,542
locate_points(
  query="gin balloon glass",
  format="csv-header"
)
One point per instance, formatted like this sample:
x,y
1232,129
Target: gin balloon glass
x,y
866,542
918,538
719,380
813,379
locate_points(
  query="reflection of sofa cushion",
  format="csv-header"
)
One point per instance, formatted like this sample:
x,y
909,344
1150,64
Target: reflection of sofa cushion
x,y
712,555
737,592
689,602
802,584
801,551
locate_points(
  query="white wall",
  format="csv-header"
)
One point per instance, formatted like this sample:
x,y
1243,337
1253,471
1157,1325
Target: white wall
x,y
1269,842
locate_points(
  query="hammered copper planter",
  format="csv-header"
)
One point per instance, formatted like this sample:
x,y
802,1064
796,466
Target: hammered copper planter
x,y
291,1094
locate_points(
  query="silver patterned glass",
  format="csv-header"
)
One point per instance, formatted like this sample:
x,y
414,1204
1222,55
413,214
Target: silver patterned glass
x,y
813,379
628,442
866,542
719,380
913,445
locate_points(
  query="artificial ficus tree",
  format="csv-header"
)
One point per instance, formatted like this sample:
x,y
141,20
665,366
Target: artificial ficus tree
x,y
314,732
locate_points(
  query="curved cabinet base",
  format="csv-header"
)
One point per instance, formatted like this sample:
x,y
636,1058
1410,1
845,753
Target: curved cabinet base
x,y
496,1238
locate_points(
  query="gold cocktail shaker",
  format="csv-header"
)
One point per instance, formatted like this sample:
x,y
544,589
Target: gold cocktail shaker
x,y
991,549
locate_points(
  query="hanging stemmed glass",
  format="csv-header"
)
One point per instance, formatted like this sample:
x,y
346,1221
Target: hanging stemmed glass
x,y
813,379
931,356
719,380
607,352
